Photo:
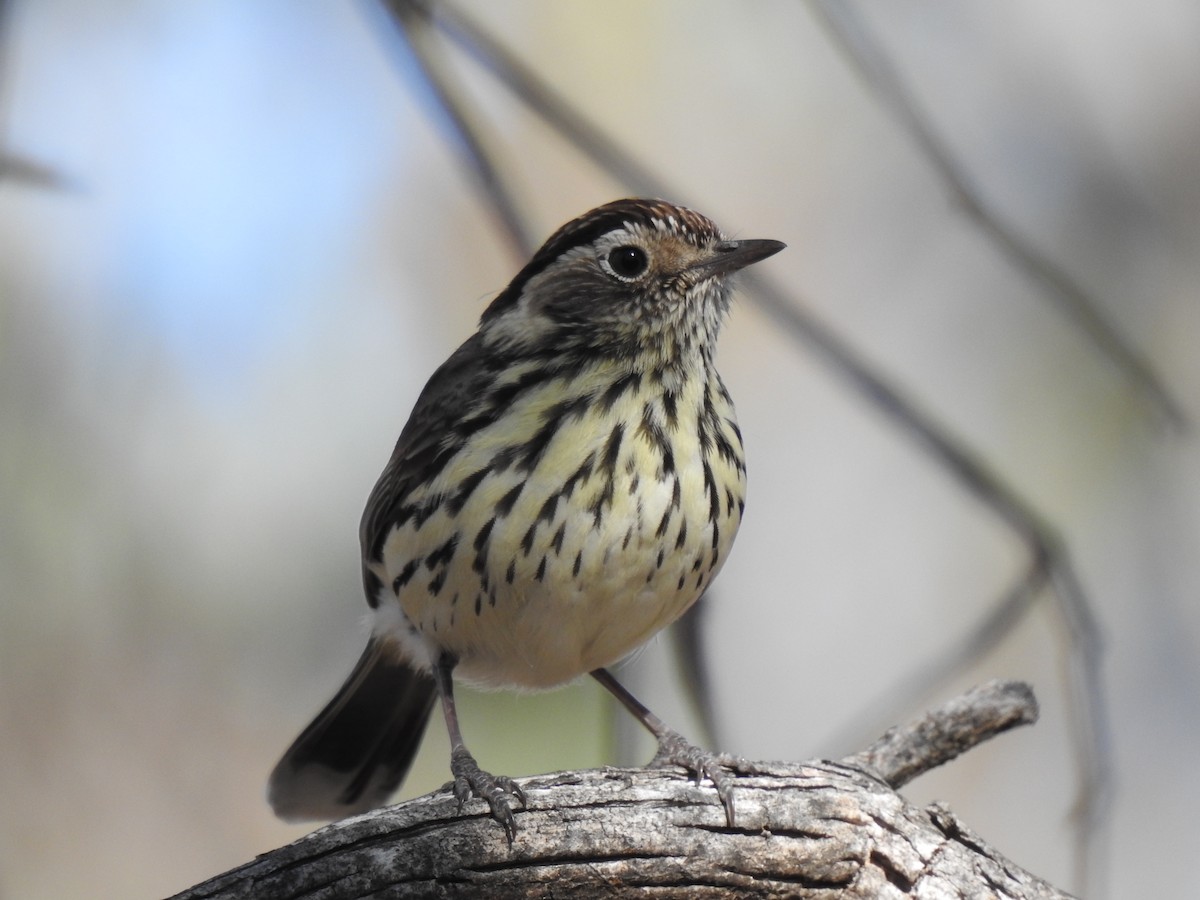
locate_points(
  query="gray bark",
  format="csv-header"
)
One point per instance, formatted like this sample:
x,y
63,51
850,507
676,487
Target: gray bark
x,y
822,829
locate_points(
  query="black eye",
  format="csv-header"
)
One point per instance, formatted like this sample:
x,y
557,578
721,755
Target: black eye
x,y
628,261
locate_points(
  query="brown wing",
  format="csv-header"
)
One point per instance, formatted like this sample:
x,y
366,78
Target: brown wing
x,y
433,434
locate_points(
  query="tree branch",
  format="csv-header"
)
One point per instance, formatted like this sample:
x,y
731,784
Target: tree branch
x,y
940,735
834,830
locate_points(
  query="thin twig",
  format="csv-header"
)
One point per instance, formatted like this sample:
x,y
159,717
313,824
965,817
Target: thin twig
x,y
412,23
886,81
942,734
31,172
14,167
536,93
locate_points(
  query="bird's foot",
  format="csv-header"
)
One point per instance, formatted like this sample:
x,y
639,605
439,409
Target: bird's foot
x,y
674,749
472,781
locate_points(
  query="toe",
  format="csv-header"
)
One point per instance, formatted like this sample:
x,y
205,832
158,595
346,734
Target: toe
x,y
472,781
674,750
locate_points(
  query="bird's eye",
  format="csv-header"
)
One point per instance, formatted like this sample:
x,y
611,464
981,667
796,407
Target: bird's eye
x,y
627,261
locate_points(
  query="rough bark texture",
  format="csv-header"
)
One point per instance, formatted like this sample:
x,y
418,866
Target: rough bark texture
x,y
813,830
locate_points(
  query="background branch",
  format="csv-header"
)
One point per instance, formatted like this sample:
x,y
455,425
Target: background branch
x,y
885,80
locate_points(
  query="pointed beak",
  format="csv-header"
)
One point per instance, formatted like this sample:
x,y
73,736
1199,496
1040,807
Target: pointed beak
x,y
730,256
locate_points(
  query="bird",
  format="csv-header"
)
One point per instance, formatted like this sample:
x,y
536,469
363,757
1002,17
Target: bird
x,y
569,482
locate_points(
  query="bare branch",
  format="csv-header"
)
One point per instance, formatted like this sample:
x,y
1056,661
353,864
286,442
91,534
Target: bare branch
x,y
537,93
941,734
867,55
829,830
412,29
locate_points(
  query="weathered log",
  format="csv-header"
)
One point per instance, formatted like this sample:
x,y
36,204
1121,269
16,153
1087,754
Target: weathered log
x,y
833,830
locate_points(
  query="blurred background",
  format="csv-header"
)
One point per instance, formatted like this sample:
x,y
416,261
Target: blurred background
x,y
234,242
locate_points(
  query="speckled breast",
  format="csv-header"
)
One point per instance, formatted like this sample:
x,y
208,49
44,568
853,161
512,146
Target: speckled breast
x,y
578,541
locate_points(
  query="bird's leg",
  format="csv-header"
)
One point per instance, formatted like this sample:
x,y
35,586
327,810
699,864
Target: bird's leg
x,y
469,779
674,748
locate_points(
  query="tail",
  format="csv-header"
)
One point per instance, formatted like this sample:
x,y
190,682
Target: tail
x,y
357,751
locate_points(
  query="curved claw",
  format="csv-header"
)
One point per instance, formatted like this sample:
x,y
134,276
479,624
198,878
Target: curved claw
x,y
495,790
674,749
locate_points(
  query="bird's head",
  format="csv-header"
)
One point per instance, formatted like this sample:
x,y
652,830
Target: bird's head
x,y
633,279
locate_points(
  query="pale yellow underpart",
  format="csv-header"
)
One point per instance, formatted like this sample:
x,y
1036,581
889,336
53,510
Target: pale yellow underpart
x,y
539,634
